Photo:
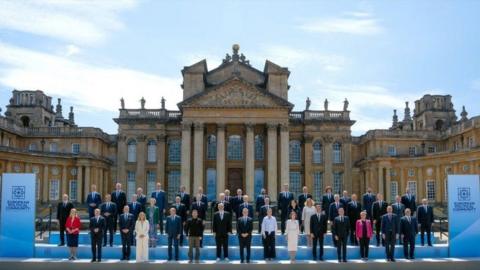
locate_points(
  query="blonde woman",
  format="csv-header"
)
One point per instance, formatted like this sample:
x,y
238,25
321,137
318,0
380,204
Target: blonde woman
x,y
307,213
141,232
72,226
292,231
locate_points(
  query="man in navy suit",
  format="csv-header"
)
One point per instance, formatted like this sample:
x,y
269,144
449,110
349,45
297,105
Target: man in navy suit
x,y
318,229
63,211
368,199
284,199
327,199
201,195
379,208
120,199
173,228
199,205
333,211
409,201
236,201
221,227
108,211
244,232
425,218
247,205
184,197
94,199
408,231
142,199
353,212
302,198
135,207
399,210
161,203
260,201
341,231
181,211
345,199
127,225
389,233
263,213
222,199
97,228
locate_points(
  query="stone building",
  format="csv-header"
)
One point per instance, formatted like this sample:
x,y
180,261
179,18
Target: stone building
x,y
235,128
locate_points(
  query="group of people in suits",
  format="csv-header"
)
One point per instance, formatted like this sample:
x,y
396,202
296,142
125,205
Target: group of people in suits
x,y
349,219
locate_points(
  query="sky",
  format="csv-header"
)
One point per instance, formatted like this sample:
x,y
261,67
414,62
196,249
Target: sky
x,y
377,54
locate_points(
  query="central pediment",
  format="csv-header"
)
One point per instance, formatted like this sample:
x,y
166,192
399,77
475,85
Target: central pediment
x,y
235,93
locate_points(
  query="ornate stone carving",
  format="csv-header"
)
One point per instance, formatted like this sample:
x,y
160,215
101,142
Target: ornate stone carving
x,y
249,126
307,138
272,126
327,139
283,127
141,138
198,126
186,125
221,126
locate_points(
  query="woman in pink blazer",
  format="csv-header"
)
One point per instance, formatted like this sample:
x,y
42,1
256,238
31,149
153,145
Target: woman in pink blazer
x,y
363,231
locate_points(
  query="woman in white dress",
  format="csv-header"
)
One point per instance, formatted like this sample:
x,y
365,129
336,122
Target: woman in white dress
x,y
141,235
308,211
292,231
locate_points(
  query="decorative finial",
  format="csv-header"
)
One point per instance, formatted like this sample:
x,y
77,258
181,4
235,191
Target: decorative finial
x,y
307,104
464,114
235,49
71,116
142,103
122,103
394,119
163,103
58,110
407,116
325,104
345,105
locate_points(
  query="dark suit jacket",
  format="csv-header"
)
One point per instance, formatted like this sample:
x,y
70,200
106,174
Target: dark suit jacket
x,y
202,209
100,225
284,202
143,201
341,229
318,226
226,206
398,210
412,204
204,199
259,202
248,206
185,199
181,211
222,227
409,229
194,227
63,212
246,227
367,201
302,198
173,226
390,224
120,201
161,199
235,203
353,212
333,210
135,210
96,199
377,211
126,224
112,210
345,200
263,212
326,201
425,217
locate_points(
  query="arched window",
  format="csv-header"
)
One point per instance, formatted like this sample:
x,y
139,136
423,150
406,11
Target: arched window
x,y
211,147
317,152
152,151
235,148
132,151
295,151
259,148
337,153
174,150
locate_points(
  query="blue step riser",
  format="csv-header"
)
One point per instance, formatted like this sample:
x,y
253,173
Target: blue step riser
x,y
160,253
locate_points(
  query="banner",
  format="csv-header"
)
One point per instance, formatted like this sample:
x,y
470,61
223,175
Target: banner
x,y
17,216
464,215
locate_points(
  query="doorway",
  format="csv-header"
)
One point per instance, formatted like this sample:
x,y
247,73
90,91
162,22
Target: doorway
x,y
235,180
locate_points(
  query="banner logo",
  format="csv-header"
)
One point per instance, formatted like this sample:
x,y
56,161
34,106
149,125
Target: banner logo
x,y
464,202
18,192
18,201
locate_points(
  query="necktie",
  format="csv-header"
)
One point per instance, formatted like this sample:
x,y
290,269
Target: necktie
x,y
116,194
108,205
244,221
355,204
97,219
64,204
337,205
389,217
318,217
408,219
125,217
341,219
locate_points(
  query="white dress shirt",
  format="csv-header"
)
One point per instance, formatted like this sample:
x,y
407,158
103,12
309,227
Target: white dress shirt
x,y
269,224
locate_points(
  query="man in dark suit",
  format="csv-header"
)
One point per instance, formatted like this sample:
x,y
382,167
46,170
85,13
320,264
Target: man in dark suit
x,y
389,233
199,205
345,199
302,198
379,208
201,195
222,199
229,199
408,231
184,197
368,199
284,199
244,232
174,230
236,201
341,231
181,211
425,218
108,211
247,205
161,203
126,224
409,201
97,228
318,229
260,201
399,210
327,199
135,207
94,199
221,227
353,211
63,211
333,212
263,213
120,199
141,199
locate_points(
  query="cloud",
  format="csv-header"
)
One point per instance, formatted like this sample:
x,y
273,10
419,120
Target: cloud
x,y
71,50
355,23
82,22
89,85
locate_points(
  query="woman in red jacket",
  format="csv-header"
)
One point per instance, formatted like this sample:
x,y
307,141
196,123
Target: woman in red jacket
x,y
363,229
72,227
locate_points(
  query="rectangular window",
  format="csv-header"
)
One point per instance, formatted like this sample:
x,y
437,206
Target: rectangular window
x,y
211,184
412,151
412,186
131,184
393,190
151,181
53,147
337,182
471,142
174,151
411,172
173,184
317,185
73,190
431,149
296,182
152,153
54,192
258,181
431,192
75,148
392,151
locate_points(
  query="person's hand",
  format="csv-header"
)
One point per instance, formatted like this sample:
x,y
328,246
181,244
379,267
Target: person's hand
x,y
93,205
336,237
358,239
95,230
141,236
383,236
374,221
200,238
178,236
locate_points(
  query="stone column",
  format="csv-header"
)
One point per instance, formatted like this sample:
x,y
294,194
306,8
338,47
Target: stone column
x,y
402,186
420,185
284,155
388,179
87,180
381,187
161,154
272,160
328,161
45,180
186,148
101,181
79,175
121,159
220,158
198,154
141,154
438,185
308,152
250,161
347,163
64,187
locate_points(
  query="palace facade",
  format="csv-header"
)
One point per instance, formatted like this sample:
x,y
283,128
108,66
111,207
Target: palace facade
x,y
236,128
